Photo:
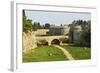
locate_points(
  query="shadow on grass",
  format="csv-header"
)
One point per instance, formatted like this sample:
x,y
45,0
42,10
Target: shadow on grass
x,y
78,45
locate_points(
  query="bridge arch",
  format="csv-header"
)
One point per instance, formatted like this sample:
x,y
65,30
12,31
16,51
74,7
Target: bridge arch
x,y
55,41
42,42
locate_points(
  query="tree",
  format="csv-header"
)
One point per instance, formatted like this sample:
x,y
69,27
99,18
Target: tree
x,y
36,25
61,25
27,23
47,25
86,38
86,34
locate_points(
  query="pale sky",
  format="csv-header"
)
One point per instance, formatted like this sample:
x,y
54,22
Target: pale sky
x,y
56,18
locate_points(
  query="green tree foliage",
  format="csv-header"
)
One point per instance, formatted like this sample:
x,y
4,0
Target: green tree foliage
x,y
47,25
86,38
86,33
36,25
27,23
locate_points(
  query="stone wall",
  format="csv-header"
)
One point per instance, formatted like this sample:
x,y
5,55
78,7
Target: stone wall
x,y
41,32
28,42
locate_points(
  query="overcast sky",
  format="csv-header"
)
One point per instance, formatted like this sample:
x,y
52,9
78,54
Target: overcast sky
x,y
56,18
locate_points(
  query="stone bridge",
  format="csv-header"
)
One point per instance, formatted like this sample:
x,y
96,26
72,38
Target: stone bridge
x,y
49,39
30,41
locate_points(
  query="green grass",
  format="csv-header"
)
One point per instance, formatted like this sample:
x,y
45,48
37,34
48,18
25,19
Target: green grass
x,y
79,52
42,53
50,53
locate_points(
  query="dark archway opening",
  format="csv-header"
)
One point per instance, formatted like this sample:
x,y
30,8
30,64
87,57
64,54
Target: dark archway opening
x,y
42,42
55,41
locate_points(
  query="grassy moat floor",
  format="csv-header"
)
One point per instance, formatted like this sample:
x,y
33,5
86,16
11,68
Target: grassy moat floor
x,y
50,53
78,52
44,53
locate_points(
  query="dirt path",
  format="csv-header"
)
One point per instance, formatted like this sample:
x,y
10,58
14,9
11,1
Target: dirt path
x,y
66,53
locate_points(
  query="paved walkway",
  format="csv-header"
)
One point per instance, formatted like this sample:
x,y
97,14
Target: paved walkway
x,y
66,53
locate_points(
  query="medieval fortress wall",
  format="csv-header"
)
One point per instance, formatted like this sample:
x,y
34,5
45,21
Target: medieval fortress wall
x,y
30,39
41,32
28,42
